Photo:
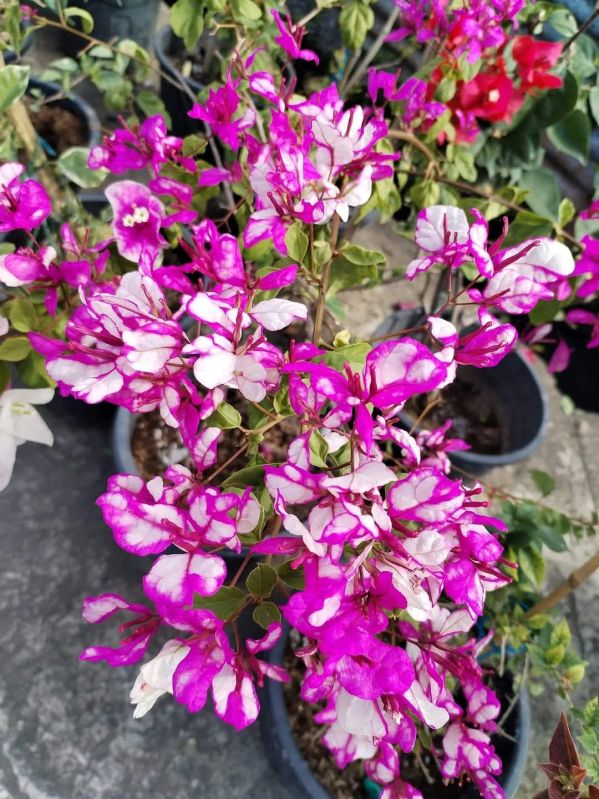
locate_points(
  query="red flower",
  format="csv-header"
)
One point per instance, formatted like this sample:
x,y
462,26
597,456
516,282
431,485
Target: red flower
x,y
535,59
490,95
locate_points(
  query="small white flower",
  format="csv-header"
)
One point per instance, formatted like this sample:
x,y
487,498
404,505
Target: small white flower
x,y
155,677
20,422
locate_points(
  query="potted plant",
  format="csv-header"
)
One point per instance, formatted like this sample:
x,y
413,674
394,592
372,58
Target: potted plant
x,y
382,562
61,122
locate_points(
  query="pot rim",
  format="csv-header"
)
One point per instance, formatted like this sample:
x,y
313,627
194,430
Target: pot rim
x,y
72,102
479,458
512,455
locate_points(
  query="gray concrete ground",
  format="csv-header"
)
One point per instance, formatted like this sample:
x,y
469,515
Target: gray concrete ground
x,y
66,730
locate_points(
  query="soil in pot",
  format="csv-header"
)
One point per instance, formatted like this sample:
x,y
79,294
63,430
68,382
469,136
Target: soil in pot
x,y
59,127
156,446
349,783
472,409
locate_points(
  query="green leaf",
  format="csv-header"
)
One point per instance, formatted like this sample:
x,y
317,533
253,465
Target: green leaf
x,y
555,654
424,193
464,162
265,614
565,212
291,577
572,135
528,225
319,449
354,354
22,315
15,349
561,635
187,21
582,58
575,674
297,243
345,274
564,22
552,106
362,256
280,402
567,405
68,65
246,10
355,20
544,311
322,253
150,104
551,537
32,371
225,417
193,145
223,604
99,51
543,192
79,14
532,566
261,580
251,475
543,481
13,84
594,102
73,165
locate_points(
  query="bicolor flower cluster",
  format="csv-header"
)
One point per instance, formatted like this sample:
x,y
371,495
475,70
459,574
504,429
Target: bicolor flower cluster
x,y
394,556
508,68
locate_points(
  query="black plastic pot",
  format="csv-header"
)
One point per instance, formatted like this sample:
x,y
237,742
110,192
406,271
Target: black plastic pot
x,y
520,401
579,380
116,19
74,104
176,100
289,763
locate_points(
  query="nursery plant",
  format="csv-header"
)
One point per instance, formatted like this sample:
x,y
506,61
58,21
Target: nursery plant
x,y
358,537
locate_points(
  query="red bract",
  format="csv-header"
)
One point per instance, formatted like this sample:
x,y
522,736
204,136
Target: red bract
x,y
535,58
491,96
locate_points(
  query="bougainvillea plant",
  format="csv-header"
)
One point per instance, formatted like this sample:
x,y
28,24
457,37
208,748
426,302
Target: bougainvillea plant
x,y
359,538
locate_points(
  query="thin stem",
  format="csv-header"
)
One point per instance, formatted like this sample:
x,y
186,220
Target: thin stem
x,y
350,65
425,772
374,49
239,571
228,462
565,588
516,696
583,28
324,281
430,405
395,334
409,138
309,16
